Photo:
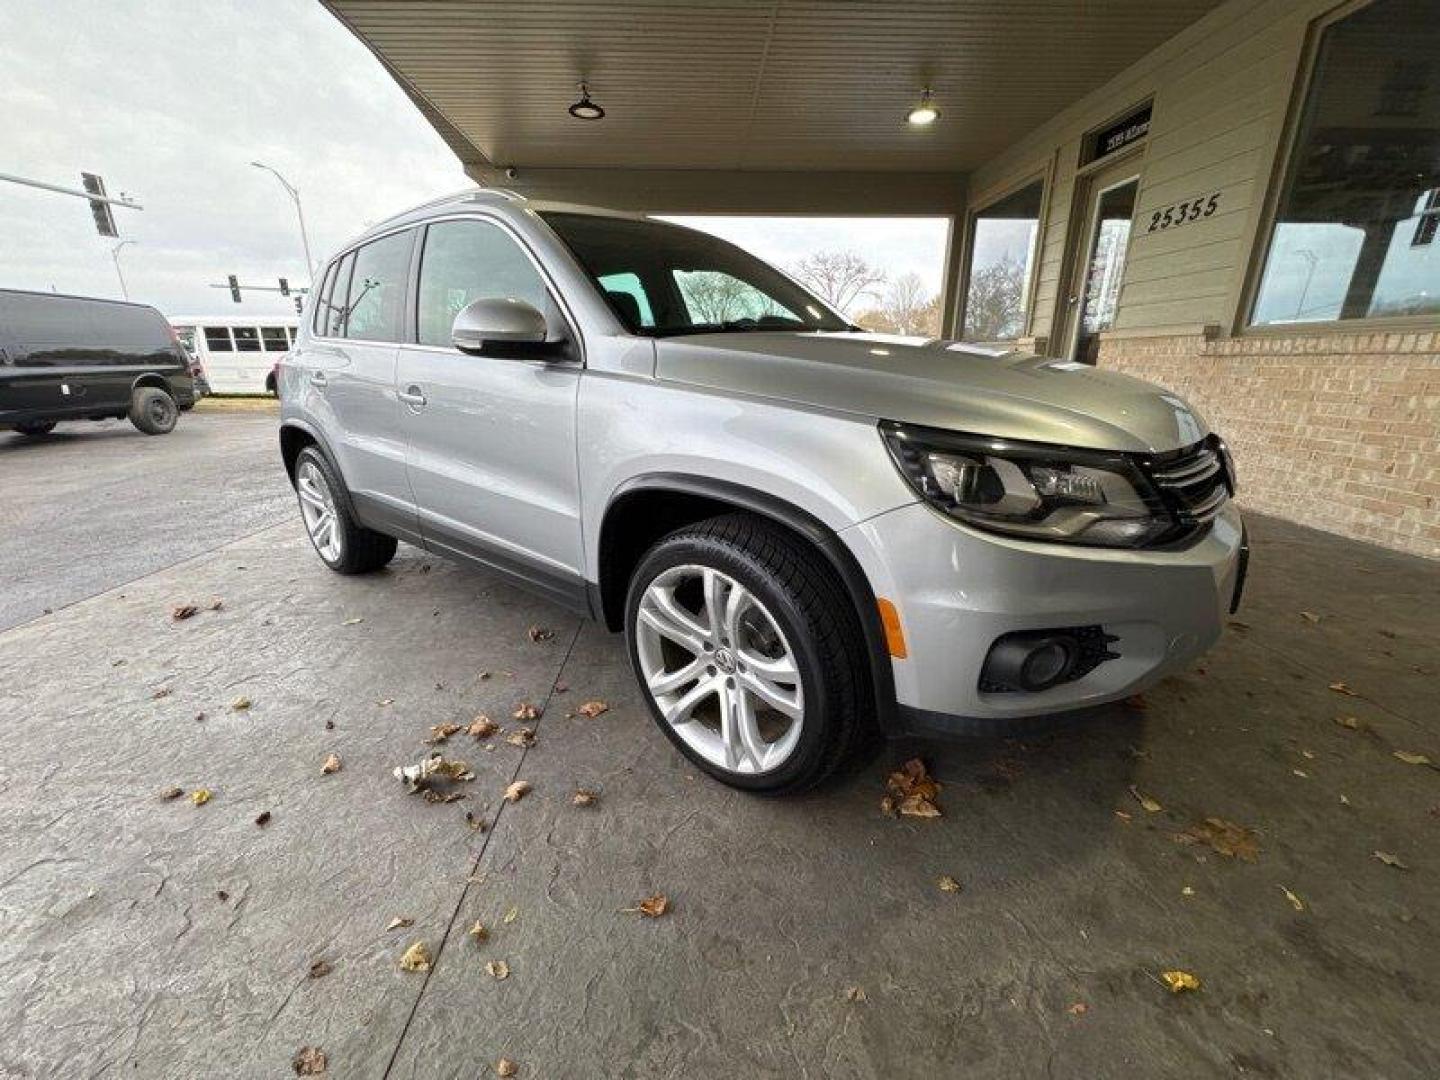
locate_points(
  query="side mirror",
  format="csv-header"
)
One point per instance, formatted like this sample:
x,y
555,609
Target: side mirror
x,y
494,321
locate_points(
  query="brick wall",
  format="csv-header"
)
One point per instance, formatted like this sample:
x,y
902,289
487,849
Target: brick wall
x,y
1337,431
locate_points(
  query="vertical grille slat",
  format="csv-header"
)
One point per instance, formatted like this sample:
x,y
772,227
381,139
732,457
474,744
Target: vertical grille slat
x,y
1192,483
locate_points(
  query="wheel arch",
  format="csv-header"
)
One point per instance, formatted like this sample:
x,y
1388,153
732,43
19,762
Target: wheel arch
x,y
645,508
152,378
295,436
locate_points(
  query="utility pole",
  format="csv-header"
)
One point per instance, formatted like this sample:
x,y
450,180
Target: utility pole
x,y
115,256
299,213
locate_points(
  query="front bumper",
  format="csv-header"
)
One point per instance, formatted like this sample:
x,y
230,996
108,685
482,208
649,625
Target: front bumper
x,y
957,590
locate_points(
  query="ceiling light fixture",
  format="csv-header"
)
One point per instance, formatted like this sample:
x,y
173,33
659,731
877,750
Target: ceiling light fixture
x,y
925,112
585,109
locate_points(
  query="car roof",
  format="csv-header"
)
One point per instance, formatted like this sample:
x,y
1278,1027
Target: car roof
x,y
491,197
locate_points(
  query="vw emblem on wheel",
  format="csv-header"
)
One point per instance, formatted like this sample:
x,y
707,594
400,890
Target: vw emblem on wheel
x,y
725,660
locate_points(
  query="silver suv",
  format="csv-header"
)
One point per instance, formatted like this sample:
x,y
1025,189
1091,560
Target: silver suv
x,y
805,531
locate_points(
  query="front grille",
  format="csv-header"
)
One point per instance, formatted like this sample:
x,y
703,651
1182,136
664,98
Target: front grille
x,y
1192,483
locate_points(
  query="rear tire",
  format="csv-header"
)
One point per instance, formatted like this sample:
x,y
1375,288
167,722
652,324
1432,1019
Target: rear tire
x,y
153,411
787,640
343,544
36,429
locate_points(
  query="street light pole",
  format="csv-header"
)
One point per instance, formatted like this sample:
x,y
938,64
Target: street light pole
x,y
115,257
299,212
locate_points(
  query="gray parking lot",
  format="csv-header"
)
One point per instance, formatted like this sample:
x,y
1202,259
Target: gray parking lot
x,y
1266,822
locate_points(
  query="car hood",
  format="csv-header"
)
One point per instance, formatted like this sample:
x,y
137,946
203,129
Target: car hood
x,y
943,384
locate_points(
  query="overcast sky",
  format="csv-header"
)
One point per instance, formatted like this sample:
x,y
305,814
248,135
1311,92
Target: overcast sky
x,y
170,101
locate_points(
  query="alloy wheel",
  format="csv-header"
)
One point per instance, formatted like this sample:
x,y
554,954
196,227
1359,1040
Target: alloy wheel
x,y
317,506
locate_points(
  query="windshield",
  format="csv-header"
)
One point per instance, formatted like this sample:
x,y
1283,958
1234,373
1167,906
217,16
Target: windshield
x,y
663,279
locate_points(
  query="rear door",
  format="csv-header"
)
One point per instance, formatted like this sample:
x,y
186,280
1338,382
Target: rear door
x,y
490,440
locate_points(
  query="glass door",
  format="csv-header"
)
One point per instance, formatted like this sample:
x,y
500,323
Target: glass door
x,y
1099,273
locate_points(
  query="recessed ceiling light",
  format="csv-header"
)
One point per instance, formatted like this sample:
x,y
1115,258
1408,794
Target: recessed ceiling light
x,y
925,112
585,109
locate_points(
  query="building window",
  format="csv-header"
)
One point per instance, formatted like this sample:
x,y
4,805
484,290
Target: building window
x,y
1002,257
1354,233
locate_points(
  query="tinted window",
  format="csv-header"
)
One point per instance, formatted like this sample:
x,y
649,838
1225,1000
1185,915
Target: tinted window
x,y
247,338
1355,231
376,304
319,301
334,314
58,331
273,338
472,260
217,339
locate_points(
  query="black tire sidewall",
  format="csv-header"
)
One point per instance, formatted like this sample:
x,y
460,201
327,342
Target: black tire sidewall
x,y
140,411
688,548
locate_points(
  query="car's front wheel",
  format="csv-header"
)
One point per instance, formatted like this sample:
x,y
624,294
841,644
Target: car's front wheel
x,y
748,652
342,543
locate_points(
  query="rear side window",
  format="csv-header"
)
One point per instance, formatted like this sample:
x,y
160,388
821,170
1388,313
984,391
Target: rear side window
x,y
217,339
376,304
472,260
333,316
60,331
273,338
320,301
247,338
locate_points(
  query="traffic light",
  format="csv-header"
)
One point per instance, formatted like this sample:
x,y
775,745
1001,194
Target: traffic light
x,y
104,219
299,306
284,287
234,288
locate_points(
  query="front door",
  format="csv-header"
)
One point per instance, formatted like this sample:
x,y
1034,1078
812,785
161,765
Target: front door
x,y
1098,268
490,440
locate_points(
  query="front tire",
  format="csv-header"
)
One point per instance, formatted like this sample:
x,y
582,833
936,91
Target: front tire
x,y
749,653
343,544
153,411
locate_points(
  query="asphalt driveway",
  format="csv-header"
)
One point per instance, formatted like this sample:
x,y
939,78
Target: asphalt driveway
x,y
144,936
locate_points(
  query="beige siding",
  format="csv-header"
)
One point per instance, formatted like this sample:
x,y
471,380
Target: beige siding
x,y
1220,92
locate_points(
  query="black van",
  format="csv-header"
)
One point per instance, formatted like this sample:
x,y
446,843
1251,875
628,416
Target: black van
x,y
79,358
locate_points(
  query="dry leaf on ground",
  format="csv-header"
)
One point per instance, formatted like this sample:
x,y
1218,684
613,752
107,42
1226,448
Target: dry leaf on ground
x,y
477,824
1150,805
1352,723
505,1067
398,922
482,727
540,633
523,737
511,915
262,818
582,797
1225,837
1180,981
592,709
916,788
1342,688
652,907
1309,616
478,932
440,732
416,957
320,968
443,797
887,806
948,883
241,703
216,603
433,767
183,611
1412,758
516,791
163,692
526,711
855,993
1078,1009
498,969
309,1061
918,806
352,622
1390,860
200,796
171,793
331,764
1295,901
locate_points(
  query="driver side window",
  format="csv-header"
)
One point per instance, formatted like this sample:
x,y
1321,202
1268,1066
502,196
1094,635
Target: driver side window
x,y
464,261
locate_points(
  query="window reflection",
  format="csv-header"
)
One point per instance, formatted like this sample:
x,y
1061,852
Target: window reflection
x,y
1002,257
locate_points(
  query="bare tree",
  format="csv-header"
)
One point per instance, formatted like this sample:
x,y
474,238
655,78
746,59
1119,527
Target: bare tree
x,y
714,297
995,303
905,309
840,278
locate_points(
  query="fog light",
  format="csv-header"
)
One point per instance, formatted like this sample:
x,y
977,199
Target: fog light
x,y
1047,664
1035,660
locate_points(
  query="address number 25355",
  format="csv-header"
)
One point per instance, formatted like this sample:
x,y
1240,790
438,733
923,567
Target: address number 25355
x,y
1182,213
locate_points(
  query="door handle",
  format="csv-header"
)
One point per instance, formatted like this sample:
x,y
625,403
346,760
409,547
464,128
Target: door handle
x,y
319,378
412,396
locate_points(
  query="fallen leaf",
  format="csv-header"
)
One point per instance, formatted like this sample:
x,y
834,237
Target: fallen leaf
x,y
592,709
1310,616
505,1067
482,727
523,737
320,968
1078,1009
329,725
200,796
353,622
1150,805
887,806
948,883
440,732
916,790
1123,816
164,691
309,1061
584,798
1390,860
1226,838
1353,723
216,604
241,703
855,993
1301,773
498,969
540,633
476,824
443,797
199,716
398,922
516,791
918,806
183,611
171,793
1341,688
222,896
1412,758
385,701
1295,901
652,907
1187,891
1238,625
432,767
263,818
331,764
1180,981
416,957
526,711
478,932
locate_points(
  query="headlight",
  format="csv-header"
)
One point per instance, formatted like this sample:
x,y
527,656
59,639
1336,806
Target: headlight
x,y
1030,489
